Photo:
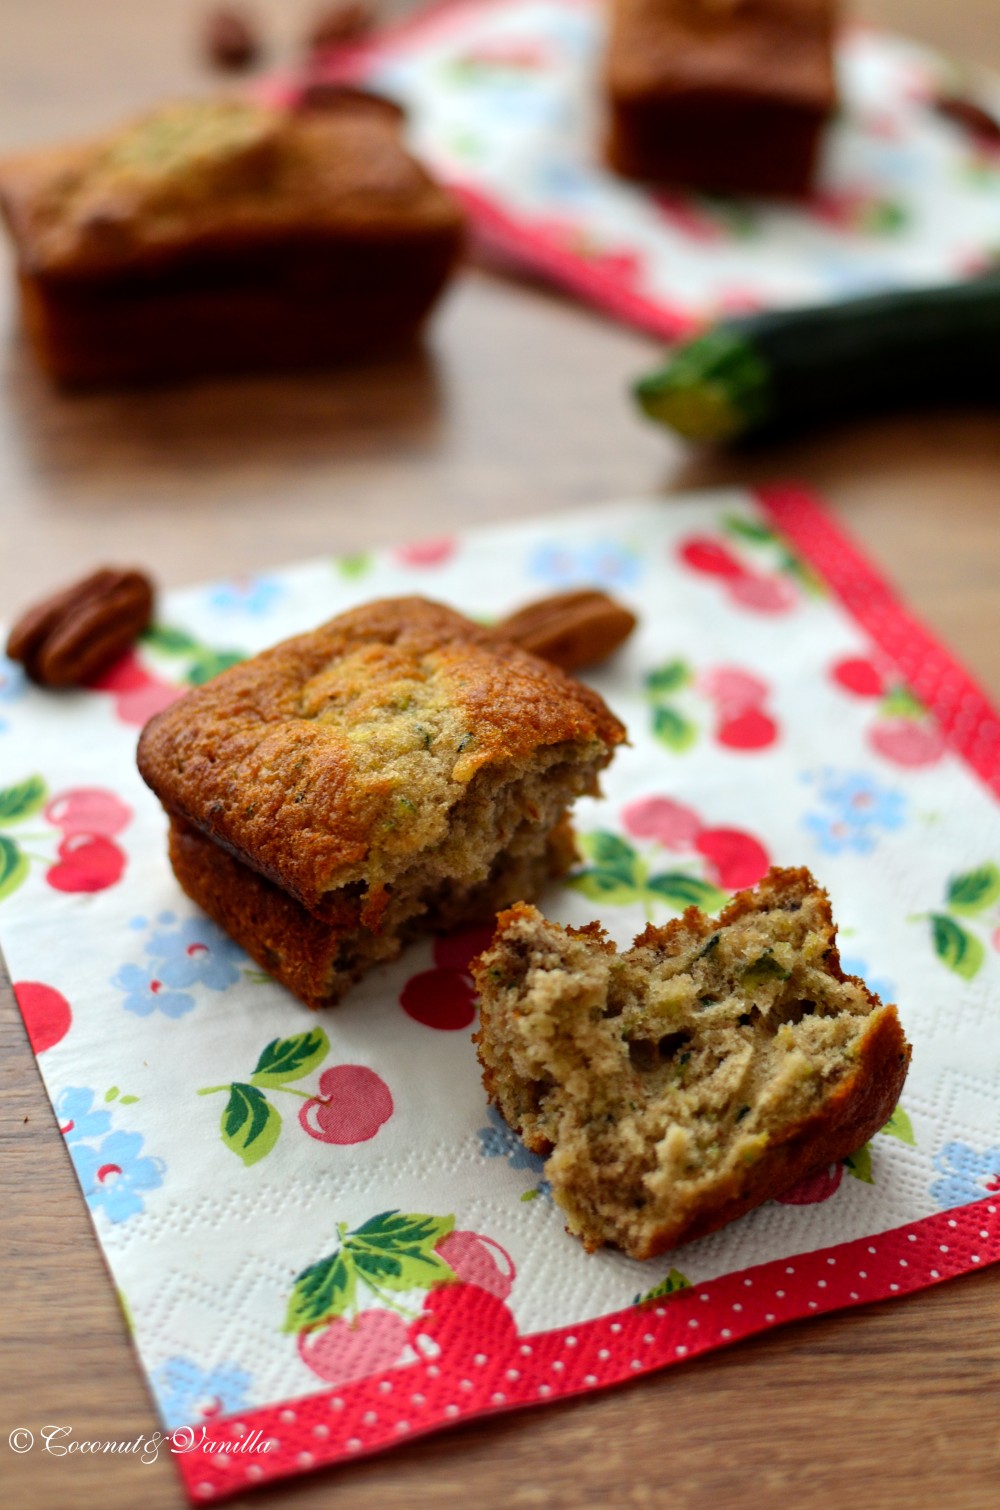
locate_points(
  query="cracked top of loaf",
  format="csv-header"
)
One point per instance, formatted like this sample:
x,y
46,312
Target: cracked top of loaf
x,y
338,757
217,173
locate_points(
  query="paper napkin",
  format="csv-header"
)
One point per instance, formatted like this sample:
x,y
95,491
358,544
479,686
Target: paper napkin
x,y
324,1239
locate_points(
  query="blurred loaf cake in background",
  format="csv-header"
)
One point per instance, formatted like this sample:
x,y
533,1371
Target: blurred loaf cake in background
x,y
723,95
226,235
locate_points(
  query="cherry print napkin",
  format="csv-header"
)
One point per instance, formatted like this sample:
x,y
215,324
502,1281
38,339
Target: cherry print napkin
x,y
504,105
324,1239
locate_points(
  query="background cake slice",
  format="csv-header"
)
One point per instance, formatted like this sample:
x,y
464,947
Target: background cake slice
x,y
398,769
702,1072
724,95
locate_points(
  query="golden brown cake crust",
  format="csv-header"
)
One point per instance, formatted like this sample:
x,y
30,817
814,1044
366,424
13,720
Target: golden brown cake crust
x,y
826,1109
224,174
338,755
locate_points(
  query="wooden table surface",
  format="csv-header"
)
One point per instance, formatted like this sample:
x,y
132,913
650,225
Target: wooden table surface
x,y
517,405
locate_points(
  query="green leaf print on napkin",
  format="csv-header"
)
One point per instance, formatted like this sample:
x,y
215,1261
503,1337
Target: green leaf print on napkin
x,y
394,1251
955,947
620,877
899,1126
13,866
204,661
673,1282
973,890
22,800
290,1058
967,896
250,1125
670,726
859,1164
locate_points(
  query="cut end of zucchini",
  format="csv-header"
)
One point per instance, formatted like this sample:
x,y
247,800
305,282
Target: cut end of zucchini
x,y
715,388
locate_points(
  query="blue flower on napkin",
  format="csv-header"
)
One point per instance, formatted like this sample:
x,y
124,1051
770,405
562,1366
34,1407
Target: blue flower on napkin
x,y
968,1173
114,1172
859,809
192,953
11,685
598,563
253,595
77,1119
195,952
498,1141
145,992
880,984
188,1393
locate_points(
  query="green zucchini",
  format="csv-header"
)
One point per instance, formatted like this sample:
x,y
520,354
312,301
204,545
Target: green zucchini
x,y
774,371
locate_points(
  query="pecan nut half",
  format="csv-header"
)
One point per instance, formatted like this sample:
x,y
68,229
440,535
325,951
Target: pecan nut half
x,y
76,634
570,629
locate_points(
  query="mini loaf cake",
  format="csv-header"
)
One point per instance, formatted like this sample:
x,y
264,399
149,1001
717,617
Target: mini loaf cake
x,y
399,770
225,235
702,1072
725,95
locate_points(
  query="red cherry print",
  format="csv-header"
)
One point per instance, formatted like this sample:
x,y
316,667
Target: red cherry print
x,y
137,693
995,939
681,213
125,675
762,594
86,863
456,951
473,1262
88,810
737,859
427,552
46,1014
345,1350
138,707
463,1319
907,742
818,1185
752,730
439,999
733,689
993,1183
353,1103
106,1172
860,676
712,559
670,823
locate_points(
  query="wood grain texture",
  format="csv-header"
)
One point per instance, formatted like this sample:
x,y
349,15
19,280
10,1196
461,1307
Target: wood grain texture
x,y
515,405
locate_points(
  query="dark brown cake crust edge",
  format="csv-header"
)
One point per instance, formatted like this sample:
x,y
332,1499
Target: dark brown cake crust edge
x,y
850,1115
89,332
297,949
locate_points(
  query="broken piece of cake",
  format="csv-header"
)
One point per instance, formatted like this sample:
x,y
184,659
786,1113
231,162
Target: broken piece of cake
x,y
679,1084
400,770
